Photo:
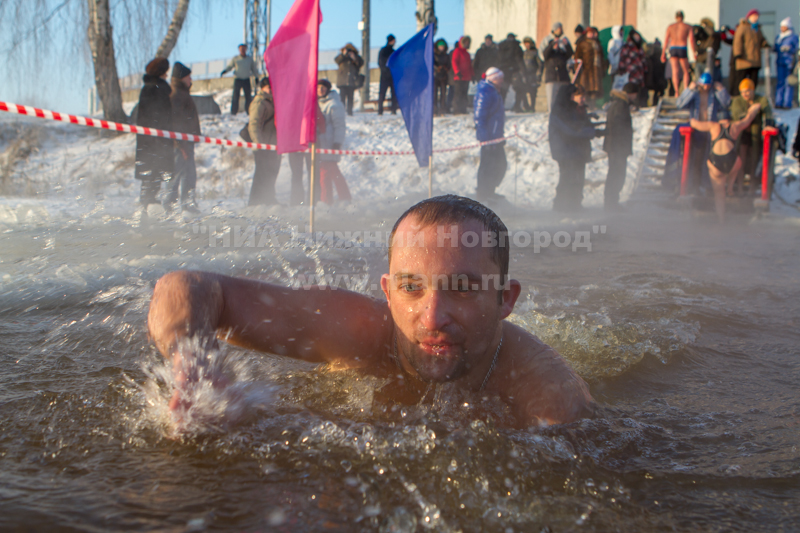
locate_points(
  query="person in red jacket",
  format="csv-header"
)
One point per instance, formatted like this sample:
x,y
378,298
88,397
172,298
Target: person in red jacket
x,y
462,74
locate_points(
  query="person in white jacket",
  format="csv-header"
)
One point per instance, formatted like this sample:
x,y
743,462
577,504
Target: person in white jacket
x,y
332,139
613,49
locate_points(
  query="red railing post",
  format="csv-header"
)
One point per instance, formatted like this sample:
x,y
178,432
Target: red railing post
x,y
768,134
686,131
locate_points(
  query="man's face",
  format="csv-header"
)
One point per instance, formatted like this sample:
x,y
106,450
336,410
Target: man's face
x,y
242,51
391,43
747,94
444,305
558,32
753,18
579,98
187,80
528,45
321,90
488,41
441,48
784,29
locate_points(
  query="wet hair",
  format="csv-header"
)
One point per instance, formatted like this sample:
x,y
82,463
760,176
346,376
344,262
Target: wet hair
x,y
453,209
157,67
679,14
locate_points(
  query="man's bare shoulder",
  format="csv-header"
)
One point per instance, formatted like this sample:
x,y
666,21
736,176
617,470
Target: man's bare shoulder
x,y
537,383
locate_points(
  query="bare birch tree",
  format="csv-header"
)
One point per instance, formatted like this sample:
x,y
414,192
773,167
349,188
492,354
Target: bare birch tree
x,y
38,30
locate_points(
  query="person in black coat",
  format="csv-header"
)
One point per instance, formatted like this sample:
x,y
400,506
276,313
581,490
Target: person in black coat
x,y
570,131
618,143
441,76
486,57
154,155
557,51
386,75
512,64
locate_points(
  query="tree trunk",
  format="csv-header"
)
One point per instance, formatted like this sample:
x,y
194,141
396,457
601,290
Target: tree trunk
x,y
174,29
101,43
425,14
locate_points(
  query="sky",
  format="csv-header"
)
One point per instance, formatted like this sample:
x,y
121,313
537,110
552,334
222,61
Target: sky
x,y
213,31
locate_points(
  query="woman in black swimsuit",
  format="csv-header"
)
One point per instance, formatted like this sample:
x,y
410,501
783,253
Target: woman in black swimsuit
x,y
723,159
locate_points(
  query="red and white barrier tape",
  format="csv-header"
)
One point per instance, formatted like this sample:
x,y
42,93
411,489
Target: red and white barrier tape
x,y
153,132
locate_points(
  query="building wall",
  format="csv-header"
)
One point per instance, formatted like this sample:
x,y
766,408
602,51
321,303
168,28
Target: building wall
x,y
499,17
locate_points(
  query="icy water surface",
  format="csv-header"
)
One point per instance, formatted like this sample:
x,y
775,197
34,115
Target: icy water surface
x,y
687,334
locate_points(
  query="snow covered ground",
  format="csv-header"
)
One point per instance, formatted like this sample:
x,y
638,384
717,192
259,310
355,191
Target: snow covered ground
x,y
73,172
69,169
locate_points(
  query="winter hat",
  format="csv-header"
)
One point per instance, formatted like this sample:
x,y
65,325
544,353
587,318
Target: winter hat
x,y
157,67
441,42
511,36
325,83
264,82
558,26
390,38
579,28
528,40
494,74
179,70
747,85
752,12
787,23
706,79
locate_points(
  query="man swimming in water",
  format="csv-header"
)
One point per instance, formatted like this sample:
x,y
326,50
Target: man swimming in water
x,y
723,159
677,41
442,321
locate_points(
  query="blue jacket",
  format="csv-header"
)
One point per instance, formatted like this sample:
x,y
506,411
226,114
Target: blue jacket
x,y
490,113
718,103
786,48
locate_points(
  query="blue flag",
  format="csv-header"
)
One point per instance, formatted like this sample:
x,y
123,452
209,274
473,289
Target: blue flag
x,y
412,71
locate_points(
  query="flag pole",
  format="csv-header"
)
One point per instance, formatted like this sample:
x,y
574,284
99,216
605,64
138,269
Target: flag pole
x,y
430,176
312,179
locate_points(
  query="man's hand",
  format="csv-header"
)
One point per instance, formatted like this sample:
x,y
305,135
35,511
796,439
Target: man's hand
x,y
796,154
664,57
693,86
718,86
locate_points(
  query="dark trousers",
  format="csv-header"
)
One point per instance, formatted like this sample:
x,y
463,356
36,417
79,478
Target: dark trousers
x,y
460,97
151,178
440,96
296,161
492,169
386,84
238,85
528,97
268,164
569,191
347,92
451,93
615,179
184,177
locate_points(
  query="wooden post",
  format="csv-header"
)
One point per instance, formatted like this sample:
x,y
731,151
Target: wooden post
x,y
430,175
313,178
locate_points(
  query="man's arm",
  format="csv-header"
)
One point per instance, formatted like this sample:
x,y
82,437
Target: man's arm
x,y
667,39
316,324
537,382
702,125
231,65
738,127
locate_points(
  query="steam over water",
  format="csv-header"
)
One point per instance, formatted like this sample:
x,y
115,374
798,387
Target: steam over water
x,y
686,332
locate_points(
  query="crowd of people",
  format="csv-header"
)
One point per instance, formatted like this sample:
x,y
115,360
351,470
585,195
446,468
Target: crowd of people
x,y
615,68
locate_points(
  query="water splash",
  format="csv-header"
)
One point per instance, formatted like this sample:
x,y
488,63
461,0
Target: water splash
x,y
219,391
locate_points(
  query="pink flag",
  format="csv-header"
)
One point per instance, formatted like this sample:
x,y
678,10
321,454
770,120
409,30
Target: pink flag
x,y
291,59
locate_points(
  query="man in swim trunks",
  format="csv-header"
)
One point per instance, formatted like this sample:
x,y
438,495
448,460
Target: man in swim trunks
x,y
723,159
678,39
447,296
